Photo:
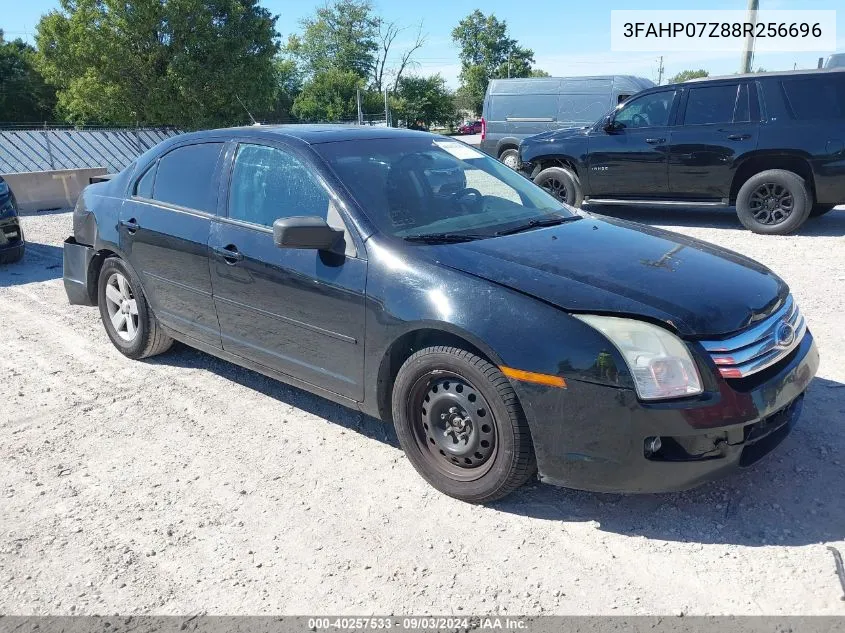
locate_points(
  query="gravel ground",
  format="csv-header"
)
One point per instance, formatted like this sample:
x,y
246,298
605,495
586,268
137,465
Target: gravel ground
x,y
187,485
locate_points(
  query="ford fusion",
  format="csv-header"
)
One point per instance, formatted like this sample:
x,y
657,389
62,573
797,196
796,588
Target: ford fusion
x,y
411,277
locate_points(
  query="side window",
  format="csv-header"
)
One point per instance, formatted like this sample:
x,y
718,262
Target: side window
x,y
185,177
816,98
742,112
711,104
270,183
144,186
650,110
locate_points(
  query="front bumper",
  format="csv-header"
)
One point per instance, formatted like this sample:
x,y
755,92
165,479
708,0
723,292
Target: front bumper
x,y
76,260
594,437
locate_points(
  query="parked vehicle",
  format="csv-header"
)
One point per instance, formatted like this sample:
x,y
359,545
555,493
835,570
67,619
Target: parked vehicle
x,y
470,127
837,60
12,243
771,144
414,278
517,108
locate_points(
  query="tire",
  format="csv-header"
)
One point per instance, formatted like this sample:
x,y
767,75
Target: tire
x,y
563,184
510,158
12,255
786,192
139,334
490,453
819,210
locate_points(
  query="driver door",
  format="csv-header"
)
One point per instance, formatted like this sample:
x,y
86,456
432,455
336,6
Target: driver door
x,y
298,311
630,159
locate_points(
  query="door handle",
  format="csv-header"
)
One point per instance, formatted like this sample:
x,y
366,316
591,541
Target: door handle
x,y
230,253
738,137
655,141
131,225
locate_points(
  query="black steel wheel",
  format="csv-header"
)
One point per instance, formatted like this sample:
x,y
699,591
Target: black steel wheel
x,y
461,426
774,202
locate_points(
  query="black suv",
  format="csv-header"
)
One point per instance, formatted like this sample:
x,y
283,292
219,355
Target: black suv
x,y
771,144
11,235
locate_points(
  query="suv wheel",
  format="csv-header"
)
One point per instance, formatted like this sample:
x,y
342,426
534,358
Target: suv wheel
x,y
460,424
510,158
126,315
774,202
562,183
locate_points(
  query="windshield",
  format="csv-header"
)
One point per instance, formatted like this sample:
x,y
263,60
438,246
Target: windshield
x,y
416,186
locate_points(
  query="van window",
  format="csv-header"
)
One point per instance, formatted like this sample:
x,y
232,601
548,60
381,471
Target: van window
x,y
504,107
582,108
711,104
186,177
813,98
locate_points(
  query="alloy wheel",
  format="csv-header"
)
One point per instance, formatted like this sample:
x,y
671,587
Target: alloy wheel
x,y
771,204
122,307
555,187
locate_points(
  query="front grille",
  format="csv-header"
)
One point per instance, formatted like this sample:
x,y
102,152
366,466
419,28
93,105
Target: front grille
x,y
761,346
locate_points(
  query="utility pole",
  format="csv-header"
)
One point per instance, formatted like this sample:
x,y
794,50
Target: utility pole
x,y
660,72
360,113
386,109
748,50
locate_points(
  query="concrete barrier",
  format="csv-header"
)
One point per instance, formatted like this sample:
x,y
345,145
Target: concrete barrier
x,y
38,190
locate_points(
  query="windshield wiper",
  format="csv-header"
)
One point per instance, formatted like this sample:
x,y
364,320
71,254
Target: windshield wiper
x,y
538,223
443,238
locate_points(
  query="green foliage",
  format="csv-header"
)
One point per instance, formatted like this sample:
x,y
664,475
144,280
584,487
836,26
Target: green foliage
x,y
24,97
160,61
424,99
486,52
538,72
329,96
341,36
686,75
288,84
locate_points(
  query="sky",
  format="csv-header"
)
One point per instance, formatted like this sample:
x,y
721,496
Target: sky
x,y
568,37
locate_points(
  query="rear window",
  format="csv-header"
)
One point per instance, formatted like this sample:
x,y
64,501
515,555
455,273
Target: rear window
x,y
814,98
185,177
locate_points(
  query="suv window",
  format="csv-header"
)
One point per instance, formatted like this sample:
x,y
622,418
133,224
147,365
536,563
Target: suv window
x,y
269,183
821,97
185,177
712,104
651,110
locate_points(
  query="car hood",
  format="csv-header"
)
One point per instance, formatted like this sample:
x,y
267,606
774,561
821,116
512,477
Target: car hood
x,y
560,134
611,266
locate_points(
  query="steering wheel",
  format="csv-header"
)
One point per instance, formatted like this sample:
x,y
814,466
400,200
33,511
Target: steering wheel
x,y
470,199
638,120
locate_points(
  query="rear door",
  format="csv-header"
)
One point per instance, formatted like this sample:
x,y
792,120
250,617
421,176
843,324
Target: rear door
x,y
164,229
718,125
298,311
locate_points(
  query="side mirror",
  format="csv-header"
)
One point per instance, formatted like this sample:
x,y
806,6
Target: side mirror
x,y
305,232
609,125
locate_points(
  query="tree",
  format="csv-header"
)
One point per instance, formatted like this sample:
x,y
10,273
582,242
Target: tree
x,y
538,72
329,96
288,85
388,31
24,96
341,36
186,62
686,75
424,99
486,52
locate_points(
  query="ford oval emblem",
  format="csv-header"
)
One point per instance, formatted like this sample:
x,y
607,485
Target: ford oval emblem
x,y
784,335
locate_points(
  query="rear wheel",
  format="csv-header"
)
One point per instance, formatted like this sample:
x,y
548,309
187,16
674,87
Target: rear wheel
x,y
821,209
510,158
774,202
126,315
461,426
562,183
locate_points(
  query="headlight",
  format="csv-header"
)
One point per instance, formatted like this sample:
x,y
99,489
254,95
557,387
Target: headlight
x,y
659,361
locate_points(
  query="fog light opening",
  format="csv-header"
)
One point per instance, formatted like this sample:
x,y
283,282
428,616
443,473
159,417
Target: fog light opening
x,y
652,446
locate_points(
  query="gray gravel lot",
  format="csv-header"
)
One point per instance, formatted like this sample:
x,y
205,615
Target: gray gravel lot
x,y
185,484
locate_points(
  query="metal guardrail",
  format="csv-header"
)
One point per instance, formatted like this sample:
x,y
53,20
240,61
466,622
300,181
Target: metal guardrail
x,y
25,149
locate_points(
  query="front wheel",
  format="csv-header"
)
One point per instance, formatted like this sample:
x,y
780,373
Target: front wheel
x,y
562,183
129,322
774,202
461,426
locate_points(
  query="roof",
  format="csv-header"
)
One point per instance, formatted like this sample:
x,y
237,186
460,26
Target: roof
x,y
315,134
780,73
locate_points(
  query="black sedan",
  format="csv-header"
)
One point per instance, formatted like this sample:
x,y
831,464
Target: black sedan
x,y
11,235
412,277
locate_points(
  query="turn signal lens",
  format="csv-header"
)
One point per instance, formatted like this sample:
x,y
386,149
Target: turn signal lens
x,y
530,376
